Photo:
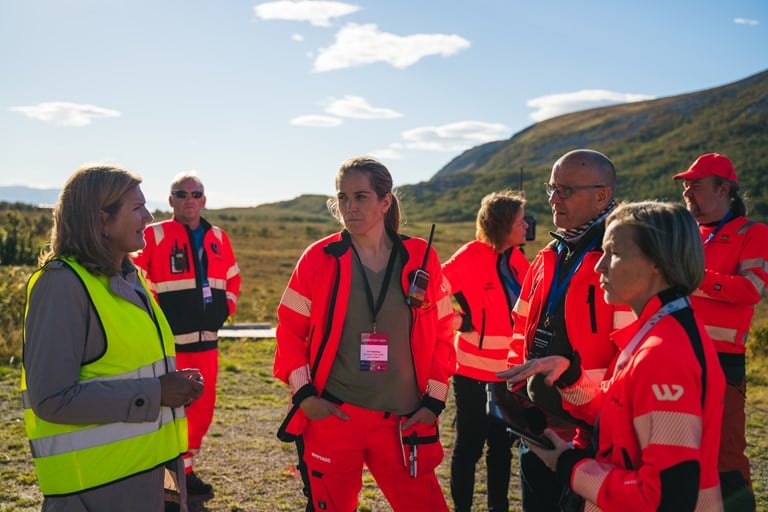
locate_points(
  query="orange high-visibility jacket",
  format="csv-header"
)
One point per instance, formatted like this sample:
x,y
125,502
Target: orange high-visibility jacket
x,y
736,261
473,276
172,271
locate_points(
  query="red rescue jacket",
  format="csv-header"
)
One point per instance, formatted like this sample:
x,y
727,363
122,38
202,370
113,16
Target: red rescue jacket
x,y
311,316
173,273
472,273
736,261
659,418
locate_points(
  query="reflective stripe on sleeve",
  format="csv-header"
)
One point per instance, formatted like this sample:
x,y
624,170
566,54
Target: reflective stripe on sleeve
x,y
296,302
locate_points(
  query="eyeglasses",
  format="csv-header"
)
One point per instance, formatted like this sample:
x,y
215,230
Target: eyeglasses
x,y
564,191
183,194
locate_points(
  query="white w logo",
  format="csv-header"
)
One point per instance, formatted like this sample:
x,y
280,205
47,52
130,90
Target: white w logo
x,y
666,392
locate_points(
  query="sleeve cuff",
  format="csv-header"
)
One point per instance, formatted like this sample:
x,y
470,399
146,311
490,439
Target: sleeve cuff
x,y
572,375
433,404
305,391
566,463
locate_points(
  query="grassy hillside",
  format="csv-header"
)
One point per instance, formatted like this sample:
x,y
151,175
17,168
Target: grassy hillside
x,y
648,142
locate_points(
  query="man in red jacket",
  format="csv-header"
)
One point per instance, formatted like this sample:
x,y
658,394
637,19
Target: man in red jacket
x,y
561,310
736,259
190,267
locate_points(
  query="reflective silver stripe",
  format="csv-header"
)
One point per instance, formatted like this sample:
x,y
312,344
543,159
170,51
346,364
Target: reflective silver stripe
x,y
521,307
159,232
757,281
299,378
96,436
489,342
437,390
294,301
444,307
476,362
232,297
194,337
217,284
721,333
174,286
145,372
233,271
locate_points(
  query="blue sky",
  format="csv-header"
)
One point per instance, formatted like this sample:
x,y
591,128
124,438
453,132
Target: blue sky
x,y
265,99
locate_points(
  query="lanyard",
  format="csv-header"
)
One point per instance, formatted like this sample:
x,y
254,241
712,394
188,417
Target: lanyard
x,y
557,290
668,308
719,226
384,285
508,278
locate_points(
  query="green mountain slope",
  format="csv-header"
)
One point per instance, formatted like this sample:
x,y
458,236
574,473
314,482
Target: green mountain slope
x,y
647,141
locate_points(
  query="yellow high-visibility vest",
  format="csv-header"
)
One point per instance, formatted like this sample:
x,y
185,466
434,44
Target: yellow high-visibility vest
x,y
73,458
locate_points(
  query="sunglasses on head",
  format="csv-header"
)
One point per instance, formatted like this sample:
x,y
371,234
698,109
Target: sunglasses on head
x,y
183,194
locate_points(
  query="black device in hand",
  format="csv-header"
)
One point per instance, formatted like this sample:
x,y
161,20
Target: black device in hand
x,y
523,417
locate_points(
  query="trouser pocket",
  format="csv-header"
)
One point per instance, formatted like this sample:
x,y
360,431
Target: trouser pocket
x,y
421,447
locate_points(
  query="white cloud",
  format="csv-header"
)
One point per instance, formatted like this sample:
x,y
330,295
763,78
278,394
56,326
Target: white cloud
x,y
386,154
746,21
358,108
297,37
318,13
556,104
63,113
356,45
454,136
316,121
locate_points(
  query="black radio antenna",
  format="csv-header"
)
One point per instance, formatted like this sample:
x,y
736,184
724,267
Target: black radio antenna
x,y
429,245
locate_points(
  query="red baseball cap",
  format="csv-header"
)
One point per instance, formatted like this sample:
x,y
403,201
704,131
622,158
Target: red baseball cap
x,y
710,164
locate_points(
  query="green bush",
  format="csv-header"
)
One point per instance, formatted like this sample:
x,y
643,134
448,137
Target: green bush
x,y
758,341
13,284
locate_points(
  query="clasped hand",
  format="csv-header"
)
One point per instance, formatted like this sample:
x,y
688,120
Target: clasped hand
x,y
181,388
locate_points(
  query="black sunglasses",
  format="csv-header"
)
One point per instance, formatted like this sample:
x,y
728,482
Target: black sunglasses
x,y
183,194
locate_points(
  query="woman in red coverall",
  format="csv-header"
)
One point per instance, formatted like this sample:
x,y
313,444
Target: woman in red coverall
x,y
484,276
658,414
367,356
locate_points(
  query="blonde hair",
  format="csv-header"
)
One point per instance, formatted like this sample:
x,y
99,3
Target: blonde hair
x,y
77,223
668,235
495,217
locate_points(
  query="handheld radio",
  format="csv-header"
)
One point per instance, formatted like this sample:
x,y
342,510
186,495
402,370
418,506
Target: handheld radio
x,y
420,279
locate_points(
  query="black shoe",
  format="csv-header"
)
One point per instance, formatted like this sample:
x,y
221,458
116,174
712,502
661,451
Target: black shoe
x,y
197,486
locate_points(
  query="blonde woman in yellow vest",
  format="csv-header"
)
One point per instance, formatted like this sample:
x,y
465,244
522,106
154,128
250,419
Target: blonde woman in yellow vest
x,y
103,401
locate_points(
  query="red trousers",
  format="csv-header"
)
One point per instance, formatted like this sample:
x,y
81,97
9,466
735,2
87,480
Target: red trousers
x,y
335,451
200,413
733,440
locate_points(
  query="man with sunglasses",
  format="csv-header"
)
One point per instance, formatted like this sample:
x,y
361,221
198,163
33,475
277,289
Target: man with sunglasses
x,y
191,268
561,309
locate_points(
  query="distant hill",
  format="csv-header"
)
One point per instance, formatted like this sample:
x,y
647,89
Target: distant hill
x,y
647,141
48,196
29,195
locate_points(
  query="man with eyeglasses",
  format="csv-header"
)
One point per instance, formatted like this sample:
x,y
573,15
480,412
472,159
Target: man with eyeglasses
x,y
736,273
191,268
561,309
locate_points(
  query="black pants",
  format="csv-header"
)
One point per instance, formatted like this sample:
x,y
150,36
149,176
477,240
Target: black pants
x,y
541,491
473,429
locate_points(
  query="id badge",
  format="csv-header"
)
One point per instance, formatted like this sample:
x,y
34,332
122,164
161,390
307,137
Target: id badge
x,y
374,351
207,295
542,339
